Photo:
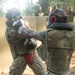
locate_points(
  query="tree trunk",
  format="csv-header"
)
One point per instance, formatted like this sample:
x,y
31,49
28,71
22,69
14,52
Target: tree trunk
x,y
44,4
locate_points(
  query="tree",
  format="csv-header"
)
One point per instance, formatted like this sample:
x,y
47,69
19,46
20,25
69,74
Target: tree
x,y
59,3
30,9
45,4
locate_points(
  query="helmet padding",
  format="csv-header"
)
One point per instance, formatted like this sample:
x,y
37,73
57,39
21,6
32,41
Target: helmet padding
x,y
57,16
12,13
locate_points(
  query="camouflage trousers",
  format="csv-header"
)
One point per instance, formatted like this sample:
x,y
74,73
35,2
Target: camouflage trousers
x,y
50,73
19,65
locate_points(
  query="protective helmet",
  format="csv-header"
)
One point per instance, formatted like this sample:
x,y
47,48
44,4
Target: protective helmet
x,y
57,16
12,13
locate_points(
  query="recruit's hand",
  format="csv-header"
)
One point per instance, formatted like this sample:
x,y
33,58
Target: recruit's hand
x,y
30,44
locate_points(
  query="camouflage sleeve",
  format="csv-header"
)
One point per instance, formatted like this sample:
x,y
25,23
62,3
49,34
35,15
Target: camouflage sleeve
x,y
42,35
27,33
12,33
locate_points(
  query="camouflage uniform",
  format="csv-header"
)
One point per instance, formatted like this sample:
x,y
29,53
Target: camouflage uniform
x,y
60,43
18,48
60,46
59,55
50,73
42,51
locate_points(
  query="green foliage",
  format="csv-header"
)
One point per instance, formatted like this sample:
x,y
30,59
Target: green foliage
x,y
1,12
43,3
30,11
1,8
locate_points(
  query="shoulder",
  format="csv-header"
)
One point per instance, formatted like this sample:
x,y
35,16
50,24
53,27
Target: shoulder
x,y
11,32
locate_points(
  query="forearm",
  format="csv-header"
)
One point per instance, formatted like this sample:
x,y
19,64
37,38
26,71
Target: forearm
x,y
28,33
40,37
23,32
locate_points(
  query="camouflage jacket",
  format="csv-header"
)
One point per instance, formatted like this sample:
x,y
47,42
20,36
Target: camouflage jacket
x,y
16,44
60,45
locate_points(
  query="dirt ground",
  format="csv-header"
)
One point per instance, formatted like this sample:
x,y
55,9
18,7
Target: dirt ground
x,y
28,71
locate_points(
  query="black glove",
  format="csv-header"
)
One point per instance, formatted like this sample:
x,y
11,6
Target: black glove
x,y
17,24
30,43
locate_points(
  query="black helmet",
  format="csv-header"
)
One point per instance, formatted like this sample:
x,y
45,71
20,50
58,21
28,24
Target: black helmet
x,y
12,13
57,16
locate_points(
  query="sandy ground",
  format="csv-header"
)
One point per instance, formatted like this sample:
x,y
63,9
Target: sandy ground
x,y
28,71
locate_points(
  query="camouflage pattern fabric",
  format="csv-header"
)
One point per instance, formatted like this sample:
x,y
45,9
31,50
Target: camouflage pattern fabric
x,y
18,48
42,51
62,39
50,73
58,61
60,46
19,65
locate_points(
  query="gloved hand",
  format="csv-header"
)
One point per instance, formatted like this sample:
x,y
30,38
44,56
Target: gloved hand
x,y
9,23
30,43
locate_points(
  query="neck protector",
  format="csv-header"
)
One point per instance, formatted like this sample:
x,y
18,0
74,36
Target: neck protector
x,y
62,26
